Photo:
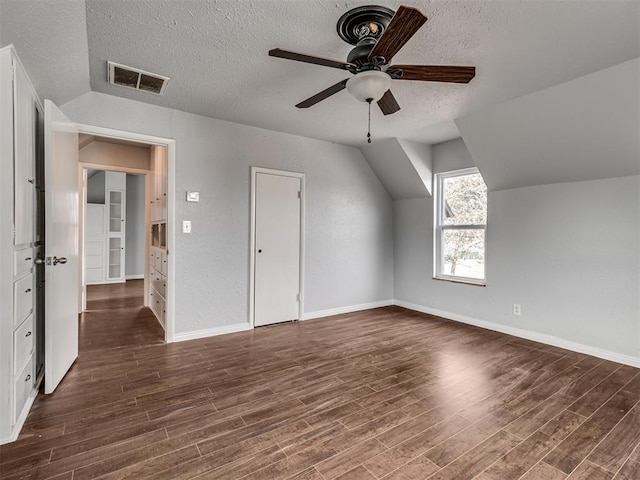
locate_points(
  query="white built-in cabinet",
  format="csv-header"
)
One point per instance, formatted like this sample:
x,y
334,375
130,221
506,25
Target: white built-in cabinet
x,y
159,184
157,284
20,112
105,233
95,244
115,197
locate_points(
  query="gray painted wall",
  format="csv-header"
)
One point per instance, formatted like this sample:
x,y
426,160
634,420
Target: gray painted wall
x,y
349,226
568,253
95,186
134,243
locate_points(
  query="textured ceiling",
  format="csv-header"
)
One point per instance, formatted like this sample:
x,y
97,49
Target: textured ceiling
x,y
51,39
216,55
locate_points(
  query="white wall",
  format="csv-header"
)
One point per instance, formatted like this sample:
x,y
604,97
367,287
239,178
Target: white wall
x,y
568,253
134,243
349,226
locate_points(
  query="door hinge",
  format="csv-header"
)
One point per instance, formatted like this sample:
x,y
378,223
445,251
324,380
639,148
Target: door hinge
x,y
299,194
297,297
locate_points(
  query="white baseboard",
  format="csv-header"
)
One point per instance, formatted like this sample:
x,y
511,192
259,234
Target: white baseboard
x,y
18,426
347,309
526,334
241,327
211,332
134,277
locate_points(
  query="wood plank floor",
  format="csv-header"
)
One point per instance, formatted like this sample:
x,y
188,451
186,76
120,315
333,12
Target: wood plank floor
x,y
116,317
380,394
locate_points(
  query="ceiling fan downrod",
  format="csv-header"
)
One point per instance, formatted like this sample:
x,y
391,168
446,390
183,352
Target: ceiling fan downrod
x,y
369,100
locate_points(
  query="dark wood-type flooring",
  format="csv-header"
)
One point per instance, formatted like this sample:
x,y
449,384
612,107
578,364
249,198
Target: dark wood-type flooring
x,y
115,317
380,394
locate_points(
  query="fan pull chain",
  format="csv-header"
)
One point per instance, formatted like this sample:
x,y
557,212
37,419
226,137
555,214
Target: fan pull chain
x,y
369,100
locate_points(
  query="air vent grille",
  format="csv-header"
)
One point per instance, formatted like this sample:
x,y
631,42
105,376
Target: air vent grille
x,y
137,79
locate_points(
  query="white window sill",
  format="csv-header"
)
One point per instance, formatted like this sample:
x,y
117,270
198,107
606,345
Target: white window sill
x,y
466,281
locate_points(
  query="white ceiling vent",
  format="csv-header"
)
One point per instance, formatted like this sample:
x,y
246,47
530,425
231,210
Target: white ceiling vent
x,y
137,79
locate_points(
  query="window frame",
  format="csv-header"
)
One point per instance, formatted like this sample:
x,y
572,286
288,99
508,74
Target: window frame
x,y
439,228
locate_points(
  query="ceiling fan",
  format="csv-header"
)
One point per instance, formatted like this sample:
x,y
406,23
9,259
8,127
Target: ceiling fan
x,y
378,34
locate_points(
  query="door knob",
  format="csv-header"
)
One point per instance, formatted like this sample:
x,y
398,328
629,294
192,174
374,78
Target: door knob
x,y
39,261
61,260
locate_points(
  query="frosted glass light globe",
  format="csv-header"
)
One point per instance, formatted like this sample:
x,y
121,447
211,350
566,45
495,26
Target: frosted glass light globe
x,y
371,84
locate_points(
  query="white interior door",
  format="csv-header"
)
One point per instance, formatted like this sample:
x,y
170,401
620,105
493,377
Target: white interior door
x,y
61,245
277,248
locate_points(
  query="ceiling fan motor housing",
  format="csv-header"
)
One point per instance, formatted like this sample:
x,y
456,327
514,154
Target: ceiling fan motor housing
x,y
359,55
362,27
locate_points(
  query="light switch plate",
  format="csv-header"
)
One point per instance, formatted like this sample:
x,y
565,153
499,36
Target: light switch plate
x,y
186,226
193,196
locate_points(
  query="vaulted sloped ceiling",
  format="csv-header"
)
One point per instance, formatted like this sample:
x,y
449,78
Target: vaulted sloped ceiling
x,y
403,167
584,129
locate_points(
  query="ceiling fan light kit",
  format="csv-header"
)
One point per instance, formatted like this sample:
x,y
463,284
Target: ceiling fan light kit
x,y
369,86
378,34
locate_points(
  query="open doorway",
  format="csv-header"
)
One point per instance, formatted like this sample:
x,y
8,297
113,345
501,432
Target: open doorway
x,y
121,180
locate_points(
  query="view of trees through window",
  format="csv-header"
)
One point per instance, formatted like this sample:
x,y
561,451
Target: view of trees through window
x,y
463,225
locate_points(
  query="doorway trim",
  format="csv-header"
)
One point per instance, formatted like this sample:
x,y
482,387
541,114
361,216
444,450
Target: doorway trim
x,y
252,238
170,144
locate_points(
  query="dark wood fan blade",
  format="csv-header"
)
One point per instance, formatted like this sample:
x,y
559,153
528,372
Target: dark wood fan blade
x,y
299,57
436,73
404,24
318,97
388,103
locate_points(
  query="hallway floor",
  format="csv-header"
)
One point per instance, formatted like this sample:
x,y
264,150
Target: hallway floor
x,y
115,317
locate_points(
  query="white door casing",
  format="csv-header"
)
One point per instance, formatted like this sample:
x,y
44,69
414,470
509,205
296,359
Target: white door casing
x,y
61,245
277,247
170,155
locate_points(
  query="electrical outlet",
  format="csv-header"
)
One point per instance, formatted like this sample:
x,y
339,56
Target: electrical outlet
x,y
186,226
517,310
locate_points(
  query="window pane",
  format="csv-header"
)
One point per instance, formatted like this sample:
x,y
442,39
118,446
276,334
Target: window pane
x,y
463,253
465,200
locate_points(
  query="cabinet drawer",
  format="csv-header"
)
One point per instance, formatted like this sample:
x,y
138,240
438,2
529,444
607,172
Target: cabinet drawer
x,y
22,261
157,304
161,286
22,344
22,299
22,387
161,310
152,300
157,261
156,281
163,258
